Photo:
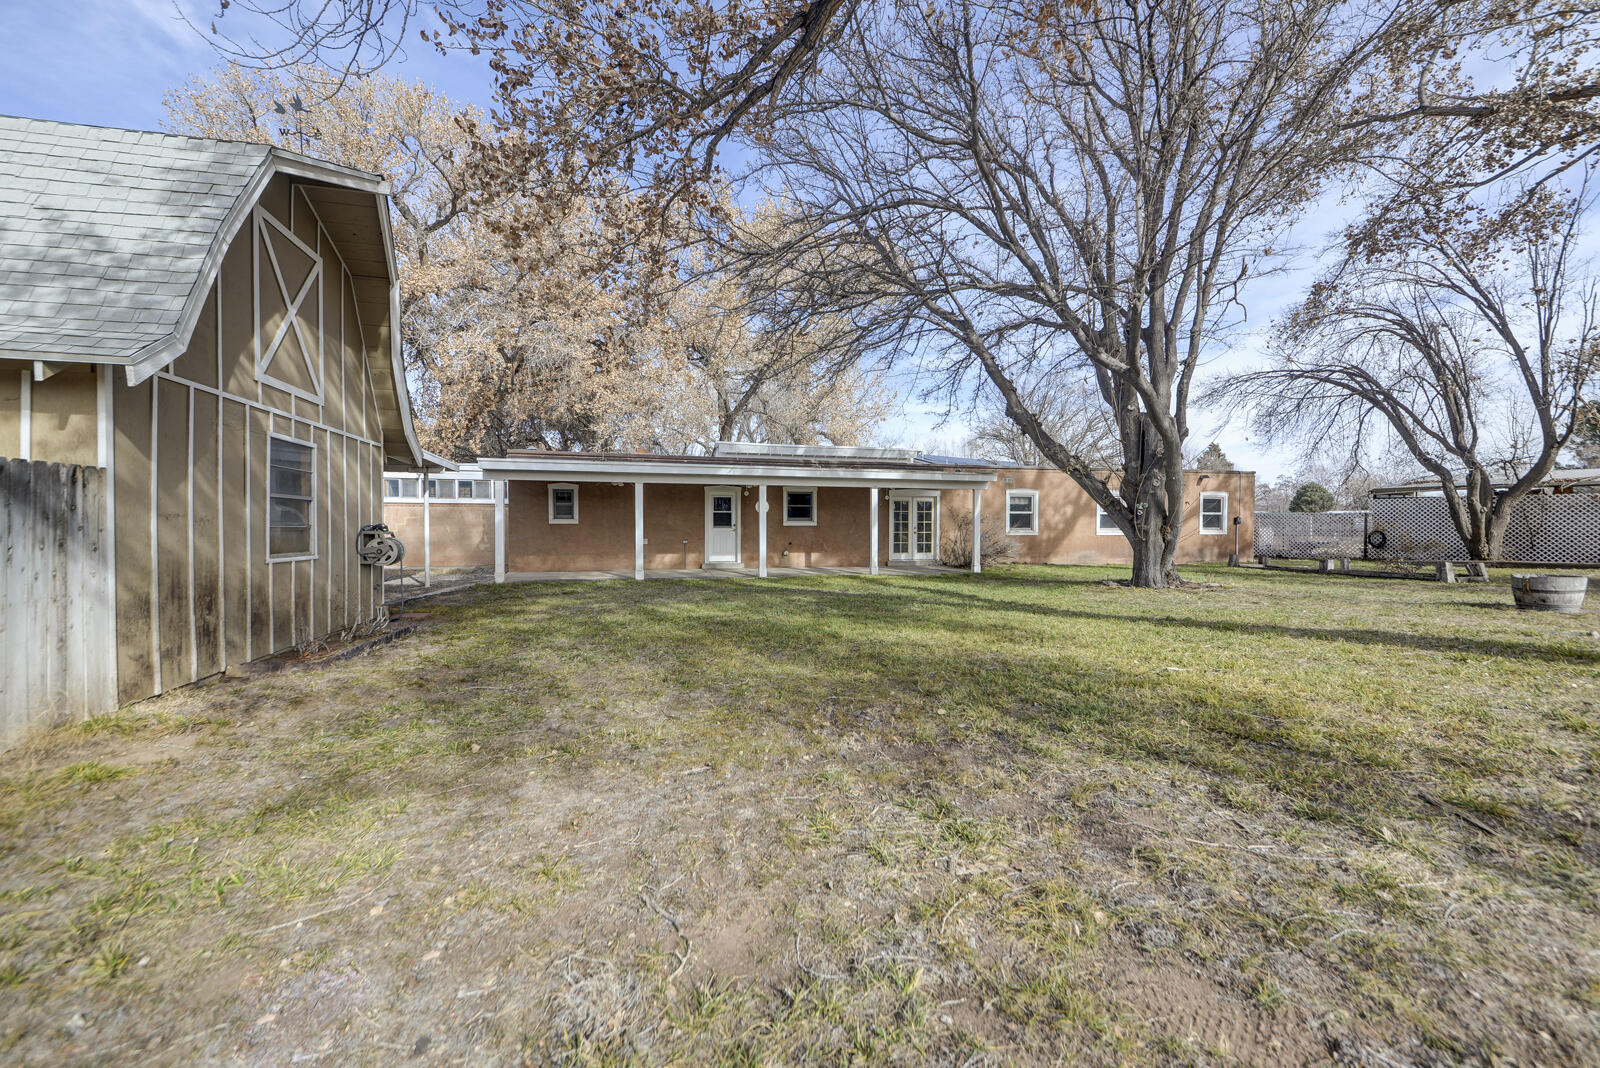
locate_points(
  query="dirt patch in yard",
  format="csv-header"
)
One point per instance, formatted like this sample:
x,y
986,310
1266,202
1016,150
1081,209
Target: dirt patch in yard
x,y
854,823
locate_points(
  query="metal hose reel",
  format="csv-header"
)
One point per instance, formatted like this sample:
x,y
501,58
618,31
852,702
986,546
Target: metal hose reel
x,y
377,546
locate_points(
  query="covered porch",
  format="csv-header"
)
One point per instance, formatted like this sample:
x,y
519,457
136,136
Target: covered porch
x,y
729,573
753,511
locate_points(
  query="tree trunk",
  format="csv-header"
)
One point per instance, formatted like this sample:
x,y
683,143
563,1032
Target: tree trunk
x,y
1152,562
1155,546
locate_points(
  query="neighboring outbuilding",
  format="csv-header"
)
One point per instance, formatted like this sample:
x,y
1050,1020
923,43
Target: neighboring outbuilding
x,y
758,507
207,330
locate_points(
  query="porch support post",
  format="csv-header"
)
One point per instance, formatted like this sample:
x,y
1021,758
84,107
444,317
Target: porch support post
x,y
501,491
872,526
638,531
761,530
977,530
427,535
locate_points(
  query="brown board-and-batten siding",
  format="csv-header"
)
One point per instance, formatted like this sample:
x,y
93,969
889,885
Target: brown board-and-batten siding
x,y
197,591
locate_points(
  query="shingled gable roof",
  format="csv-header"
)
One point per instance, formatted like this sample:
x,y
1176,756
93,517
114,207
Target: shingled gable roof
x,y
110,239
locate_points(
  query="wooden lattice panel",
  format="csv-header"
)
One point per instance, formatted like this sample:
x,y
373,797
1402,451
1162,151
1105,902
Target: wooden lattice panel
x,y
1544,528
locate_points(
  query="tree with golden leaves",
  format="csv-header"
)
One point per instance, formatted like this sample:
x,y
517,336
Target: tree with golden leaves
x,y
559,337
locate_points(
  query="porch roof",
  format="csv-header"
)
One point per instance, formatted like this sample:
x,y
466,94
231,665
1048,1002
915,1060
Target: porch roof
x,y
802,470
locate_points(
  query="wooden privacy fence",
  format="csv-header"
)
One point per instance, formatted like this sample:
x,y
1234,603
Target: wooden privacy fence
x,y
58,657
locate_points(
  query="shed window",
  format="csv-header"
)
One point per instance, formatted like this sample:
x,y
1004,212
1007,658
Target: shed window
x,y
563,503
799,507
291,497
1213,513
1022,512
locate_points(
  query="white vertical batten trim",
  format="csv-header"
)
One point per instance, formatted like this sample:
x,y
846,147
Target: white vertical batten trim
x,y
25,418
344,492
266,535
249,552
222,511
427,534
872,526
194,636
500,491
761,530
344,427
107,433
638,531
327,586
155,534
977,530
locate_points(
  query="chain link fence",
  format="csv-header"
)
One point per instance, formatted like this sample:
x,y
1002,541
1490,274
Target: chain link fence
x,y
1310,535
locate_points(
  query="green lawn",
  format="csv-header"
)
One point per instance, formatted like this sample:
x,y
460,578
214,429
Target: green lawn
x,y
1028,817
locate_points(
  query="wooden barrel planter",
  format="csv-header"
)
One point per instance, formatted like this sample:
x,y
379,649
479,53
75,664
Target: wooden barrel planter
x,y
1550,593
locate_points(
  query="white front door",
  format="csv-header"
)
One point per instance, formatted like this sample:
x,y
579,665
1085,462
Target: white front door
x,y
914,529
722,525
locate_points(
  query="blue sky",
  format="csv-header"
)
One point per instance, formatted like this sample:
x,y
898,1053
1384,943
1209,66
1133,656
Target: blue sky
x,y
108,62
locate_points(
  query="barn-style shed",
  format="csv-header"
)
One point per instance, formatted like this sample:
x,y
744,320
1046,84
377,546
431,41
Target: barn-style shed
x,y
212,325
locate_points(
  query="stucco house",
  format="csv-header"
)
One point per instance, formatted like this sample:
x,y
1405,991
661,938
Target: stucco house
x,y
756,507
212,325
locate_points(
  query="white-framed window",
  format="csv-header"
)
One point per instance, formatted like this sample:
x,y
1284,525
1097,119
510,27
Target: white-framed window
x,y
1213,513
476,490
401,487
291,498
1104,524
799,506
563,502
1022,511
442,489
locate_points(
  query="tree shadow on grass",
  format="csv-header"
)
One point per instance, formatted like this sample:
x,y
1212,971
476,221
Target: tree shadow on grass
x,y
1490,647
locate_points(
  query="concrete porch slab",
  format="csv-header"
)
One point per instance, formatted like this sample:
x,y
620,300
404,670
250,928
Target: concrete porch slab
x,y
727,573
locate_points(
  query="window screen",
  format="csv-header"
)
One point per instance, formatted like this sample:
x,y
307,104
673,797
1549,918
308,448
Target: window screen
x,y
291,507
800,506
1019,512
563,504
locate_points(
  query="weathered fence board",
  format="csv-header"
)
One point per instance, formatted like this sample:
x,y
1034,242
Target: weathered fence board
x,y
57,607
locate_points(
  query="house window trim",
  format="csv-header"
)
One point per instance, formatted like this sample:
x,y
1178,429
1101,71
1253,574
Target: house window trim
x,y
1200,513
287,558
403,480
786,490
1114,532
550,497
1032,495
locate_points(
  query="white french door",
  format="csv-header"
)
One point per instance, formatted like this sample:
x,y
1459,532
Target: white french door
x,y
914,529
722,525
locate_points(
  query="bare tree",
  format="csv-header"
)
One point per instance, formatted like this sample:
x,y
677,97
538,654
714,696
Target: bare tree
x,y
1076,201
1071,412
1473,348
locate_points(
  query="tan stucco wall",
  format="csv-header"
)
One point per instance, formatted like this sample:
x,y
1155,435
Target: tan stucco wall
x,y
463,531
63,416
1067,533
603,537
674,529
